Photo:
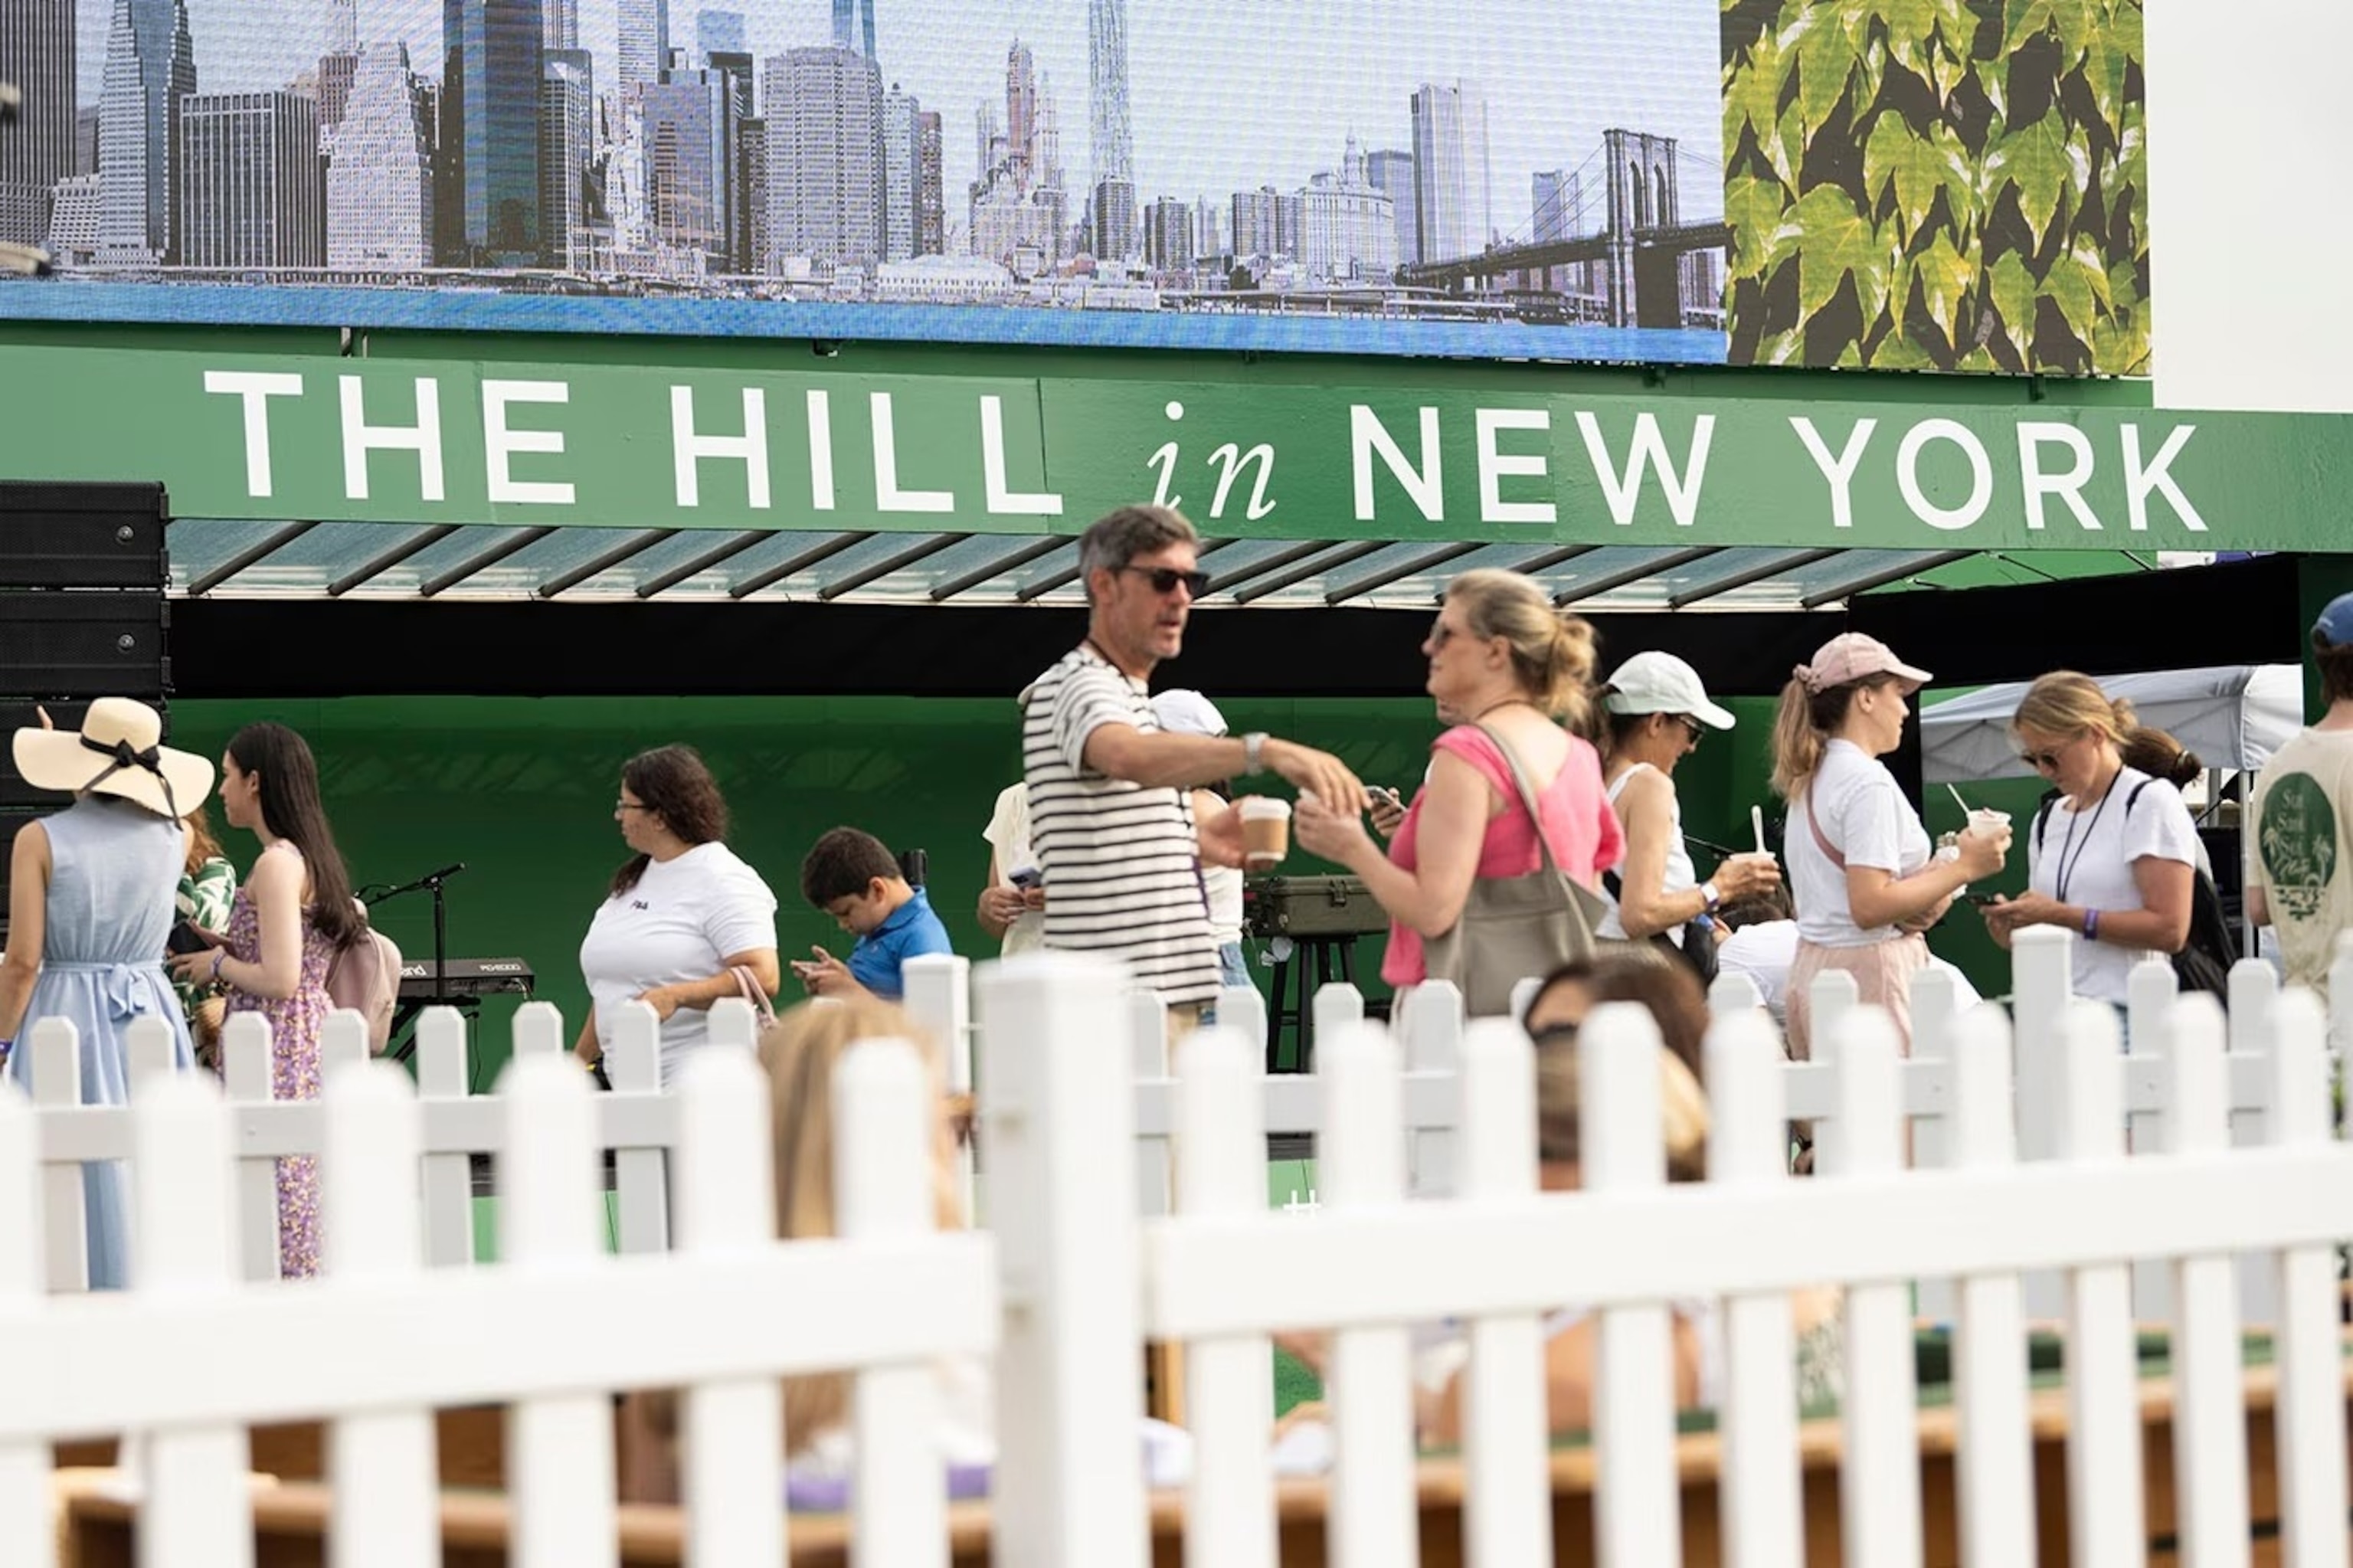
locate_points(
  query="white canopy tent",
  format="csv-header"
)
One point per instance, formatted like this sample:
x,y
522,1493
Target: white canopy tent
x,y
2233,715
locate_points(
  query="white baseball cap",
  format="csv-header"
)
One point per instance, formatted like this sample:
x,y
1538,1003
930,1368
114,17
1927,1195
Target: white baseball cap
x,y
1183,712
1662,684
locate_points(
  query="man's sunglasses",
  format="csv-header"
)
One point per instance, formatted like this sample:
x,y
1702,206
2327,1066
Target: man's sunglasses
x,y
1164,579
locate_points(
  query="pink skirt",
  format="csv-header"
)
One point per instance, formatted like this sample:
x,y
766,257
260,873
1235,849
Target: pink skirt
x,y
1883,977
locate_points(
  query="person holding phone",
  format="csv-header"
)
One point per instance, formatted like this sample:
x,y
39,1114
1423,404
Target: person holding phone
x,y
90,915
1013,901
208,893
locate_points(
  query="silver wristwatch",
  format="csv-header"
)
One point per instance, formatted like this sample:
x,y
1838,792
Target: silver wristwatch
x,y
1253,744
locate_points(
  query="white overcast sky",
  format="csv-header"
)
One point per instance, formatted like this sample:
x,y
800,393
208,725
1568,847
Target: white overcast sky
x,y
1226,94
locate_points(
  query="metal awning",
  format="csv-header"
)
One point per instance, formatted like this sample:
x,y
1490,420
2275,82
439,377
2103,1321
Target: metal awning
x,y
446,562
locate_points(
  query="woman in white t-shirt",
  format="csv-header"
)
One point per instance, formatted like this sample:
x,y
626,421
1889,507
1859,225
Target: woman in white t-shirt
x,y
2112,858
684,913
1013,901
1861,870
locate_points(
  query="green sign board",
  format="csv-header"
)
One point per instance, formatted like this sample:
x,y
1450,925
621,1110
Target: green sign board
x,y
430,441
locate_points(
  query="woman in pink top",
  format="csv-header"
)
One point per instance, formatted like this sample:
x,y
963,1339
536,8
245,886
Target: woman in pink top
x,y
1505,664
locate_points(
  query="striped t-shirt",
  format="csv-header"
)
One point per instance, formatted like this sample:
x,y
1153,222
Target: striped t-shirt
x,y
1122,867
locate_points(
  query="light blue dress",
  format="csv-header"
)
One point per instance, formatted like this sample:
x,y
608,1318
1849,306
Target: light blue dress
x,y
114,870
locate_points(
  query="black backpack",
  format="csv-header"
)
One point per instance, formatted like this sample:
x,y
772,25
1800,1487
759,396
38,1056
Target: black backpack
x,y
2205,959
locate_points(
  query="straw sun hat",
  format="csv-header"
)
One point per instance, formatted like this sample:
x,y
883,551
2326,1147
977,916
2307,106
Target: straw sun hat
x,y
117,751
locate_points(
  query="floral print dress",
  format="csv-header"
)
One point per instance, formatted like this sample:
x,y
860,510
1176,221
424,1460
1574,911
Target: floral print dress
x,y
294,1023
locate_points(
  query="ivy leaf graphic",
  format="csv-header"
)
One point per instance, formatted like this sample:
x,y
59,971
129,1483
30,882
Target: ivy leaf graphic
x,y
1757,211
2014,288
2022,19
1944,276
1838,240
1825,62
2041,160
1919,168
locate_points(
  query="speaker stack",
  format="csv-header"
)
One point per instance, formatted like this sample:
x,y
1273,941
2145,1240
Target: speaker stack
x,y
82,614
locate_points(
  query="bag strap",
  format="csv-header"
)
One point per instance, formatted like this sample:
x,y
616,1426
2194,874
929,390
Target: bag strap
x,y
747,986
1528,797
1821,839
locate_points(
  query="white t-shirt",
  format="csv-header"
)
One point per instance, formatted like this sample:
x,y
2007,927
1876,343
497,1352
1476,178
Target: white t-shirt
x,y
1681,873
1008,834
2085,858
684,916
1863,812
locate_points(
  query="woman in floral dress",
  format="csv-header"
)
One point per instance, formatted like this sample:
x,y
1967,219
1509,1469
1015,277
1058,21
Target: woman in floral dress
x,y
292,916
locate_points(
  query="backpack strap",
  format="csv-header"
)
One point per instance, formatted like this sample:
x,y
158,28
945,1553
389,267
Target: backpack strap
x,y
2043,814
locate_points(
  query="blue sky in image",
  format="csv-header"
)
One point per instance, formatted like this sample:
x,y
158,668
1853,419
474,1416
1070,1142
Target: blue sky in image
x,y
1226,94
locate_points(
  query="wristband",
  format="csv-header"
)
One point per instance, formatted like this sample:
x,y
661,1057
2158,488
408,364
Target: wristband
x,y
1707,890
218,955
1253,744
2090,925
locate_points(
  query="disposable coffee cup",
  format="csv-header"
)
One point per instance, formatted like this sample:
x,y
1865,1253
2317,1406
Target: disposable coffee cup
x,y
1266,831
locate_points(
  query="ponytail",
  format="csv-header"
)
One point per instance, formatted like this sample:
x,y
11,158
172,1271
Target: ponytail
x,y
1797,744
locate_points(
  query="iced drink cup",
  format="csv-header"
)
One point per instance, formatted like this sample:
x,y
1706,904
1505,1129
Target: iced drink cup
x,y
1266,831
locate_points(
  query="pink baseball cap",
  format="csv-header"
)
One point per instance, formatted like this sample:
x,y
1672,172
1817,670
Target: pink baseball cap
x,y
1853,656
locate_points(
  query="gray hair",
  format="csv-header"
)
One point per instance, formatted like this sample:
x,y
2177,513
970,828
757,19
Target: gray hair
x,y
1117,538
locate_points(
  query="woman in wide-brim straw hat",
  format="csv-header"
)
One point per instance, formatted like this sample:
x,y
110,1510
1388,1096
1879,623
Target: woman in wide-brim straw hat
x,y
89,913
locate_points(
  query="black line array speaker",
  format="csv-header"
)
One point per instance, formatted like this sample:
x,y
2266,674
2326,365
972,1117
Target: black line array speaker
x,y
83,572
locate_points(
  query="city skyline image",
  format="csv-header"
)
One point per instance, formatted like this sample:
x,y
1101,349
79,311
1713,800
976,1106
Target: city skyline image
x,y
1389,166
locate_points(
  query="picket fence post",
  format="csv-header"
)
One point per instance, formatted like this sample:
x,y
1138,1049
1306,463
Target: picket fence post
x,y
939,997
2247,1077
1996,1482
195,1510
1369,1380
246,1074
1636,1512
2104,1526
732,1429
559,1446
733,1023
883,1108
1432,1042
55,1045
1058,1108
447,1179
27,1532
2310,1408
1731,994
1748,1148
2152,990
641,1186
1220,1127
1879,1490
1156,1157
1508,1515
382,1465
2209,1439
2042,960
1933,1072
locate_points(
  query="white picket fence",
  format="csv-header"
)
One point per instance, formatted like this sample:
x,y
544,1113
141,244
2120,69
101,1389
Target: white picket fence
x,y
1071,1280
636,1121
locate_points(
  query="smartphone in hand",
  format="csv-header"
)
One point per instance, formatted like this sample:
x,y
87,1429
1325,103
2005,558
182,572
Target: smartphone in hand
x,y
184,938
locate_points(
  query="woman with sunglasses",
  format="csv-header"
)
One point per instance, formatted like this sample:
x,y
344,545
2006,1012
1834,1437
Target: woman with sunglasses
x,y
1866,879
2108,858
1654,711
1508,668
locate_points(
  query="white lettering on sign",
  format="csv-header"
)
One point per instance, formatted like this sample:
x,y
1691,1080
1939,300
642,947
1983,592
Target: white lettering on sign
x,y
1003,500
887,496
256,387
423,438
1230,460
820,434
2032,435
1838,470
1367,435
1496,465
1624,491
1908,474
2141,478
689,447
500,444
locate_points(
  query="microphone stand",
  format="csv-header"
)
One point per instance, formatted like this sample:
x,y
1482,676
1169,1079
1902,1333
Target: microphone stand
x,y
432,882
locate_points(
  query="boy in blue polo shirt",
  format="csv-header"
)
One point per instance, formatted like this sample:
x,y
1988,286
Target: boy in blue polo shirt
x,y
853,877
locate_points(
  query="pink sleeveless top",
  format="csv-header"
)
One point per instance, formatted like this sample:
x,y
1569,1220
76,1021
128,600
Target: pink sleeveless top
x,y
1577,823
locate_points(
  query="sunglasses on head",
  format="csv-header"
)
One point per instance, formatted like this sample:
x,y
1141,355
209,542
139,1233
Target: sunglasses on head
x,y
1164,579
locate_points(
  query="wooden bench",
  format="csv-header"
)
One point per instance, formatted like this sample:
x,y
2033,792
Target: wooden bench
x,y
290,1520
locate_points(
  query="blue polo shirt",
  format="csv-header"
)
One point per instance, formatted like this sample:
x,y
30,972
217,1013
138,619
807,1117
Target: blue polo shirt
x,y
911,931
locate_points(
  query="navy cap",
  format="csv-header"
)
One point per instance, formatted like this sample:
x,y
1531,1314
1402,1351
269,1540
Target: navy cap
x,y
2336,622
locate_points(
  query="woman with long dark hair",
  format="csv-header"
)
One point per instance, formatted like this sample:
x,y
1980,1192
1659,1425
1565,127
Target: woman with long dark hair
x,y
206,897
684,914
294,913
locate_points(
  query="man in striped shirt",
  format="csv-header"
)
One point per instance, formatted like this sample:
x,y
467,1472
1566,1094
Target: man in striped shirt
x,y
1108,818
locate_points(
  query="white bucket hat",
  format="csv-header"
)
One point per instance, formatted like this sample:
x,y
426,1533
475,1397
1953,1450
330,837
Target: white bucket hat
x,y
117,751
1657,683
